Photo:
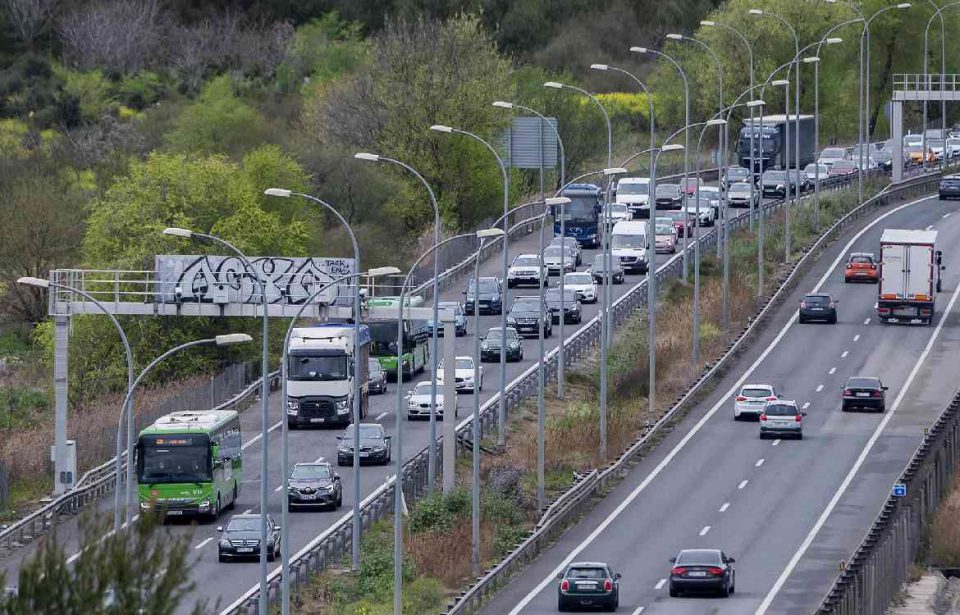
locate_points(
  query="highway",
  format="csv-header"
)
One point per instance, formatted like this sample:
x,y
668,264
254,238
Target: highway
x,y
225,582
789,510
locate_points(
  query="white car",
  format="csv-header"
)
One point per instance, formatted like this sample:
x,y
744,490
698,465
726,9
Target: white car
x,y
810,172
739,195
526,270
665,236
953,147
832,154
418,401
571,244
558,258
752,399
463,374
707,214
713,197
617,212
582,283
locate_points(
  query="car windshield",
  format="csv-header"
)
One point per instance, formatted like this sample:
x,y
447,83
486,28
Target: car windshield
x,y
780,410
934,142
691,182
616,208
577,278
737,172
665,229
423,388
861,259
552,251
586,573
627,241
693,557
844,165
863,383
311,471
525,304
833,152
633,188
754,392
371,430
775,176
463,363
817,299
373,366
913,149
740,188
569,296
487,285
244,524
450,305
317,367
667,190
496,335
675,215
526,261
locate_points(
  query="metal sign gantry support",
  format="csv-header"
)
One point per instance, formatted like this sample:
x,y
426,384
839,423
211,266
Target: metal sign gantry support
x,y
916,88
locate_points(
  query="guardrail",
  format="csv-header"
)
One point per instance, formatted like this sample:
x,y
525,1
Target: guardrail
x,y
577,345
581,493
93,485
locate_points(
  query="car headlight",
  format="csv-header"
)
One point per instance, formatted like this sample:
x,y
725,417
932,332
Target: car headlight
x,y
293,406
411,403
406,363
145,505
484,346
343,406
514,344
225,543
780,186
204,505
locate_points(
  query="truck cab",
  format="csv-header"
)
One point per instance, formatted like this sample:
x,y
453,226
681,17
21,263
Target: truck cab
x,y
320,373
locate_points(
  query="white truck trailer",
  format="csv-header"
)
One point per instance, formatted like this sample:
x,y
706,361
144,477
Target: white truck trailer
x,y
910,266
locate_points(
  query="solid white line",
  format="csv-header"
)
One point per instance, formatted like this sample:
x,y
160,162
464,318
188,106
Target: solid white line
x,y
857,336
833,370
776,442
380,416
319,459
806,405
259,436
638,610
248,511
946,215
866,322
856,466
725,506
759,463
742,484
628,500
704,531
660,584
819,388
203,543
843,355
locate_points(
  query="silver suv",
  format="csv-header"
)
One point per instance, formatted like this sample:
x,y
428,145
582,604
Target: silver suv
x,y
782,418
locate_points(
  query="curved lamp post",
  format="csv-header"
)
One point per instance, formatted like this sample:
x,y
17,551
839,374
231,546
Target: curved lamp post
x,y
643,87
606,116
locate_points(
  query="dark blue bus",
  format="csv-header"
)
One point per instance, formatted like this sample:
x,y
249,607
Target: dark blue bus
x,y
581,216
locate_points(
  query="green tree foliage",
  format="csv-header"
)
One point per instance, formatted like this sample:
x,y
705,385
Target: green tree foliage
x,y
321,51
142,570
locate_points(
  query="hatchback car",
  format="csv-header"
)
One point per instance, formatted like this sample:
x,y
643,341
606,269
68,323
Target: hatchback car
x,y
494,339
689,185
583,284
241,538
374,441
666,237
526,270
572,310
782,418
832,155
818,306
559,259
751,400
598,268
463,374
314,484
377,378
774,183
572,244
739,195
811,172
528,314
459,318
861,267
702,570
681,222
864,392
588,584
616,212
843,168
490,296
949,187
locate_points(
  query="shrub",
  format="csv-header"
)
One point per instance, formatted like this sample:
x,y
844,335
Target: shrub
x,y
439,511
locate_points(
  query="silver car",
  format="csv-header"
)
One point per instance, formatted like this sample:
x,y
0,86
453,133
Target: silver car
x,y
751,400
558,258
782,418
570,243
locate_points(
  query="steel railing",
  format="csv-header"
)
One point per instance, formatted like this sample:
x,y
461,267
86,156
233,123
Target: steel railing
x,y
930,82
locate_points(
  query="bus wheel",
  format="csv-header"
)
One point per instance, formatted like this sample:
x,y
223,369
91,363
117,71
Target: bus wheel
x,y
216,511
236,494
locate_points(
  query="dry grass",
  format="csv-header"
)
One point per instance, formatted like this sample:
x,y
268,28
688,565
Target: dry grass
x,y
945,534
445,555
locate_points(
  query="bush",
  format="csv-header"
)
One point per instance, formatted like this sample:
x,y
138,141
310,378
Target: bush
x,y
439,512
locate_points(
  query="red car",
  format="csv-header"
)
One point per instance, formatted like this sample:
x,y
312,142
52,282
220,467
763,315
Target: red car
x,y
842,168
861,267
679,222
689,185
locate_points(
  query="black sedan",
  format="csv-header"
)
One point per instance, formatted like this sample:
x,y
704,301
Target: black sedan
x,y
949,187
241,538
374,445
702,570
491,296
774,183
588,584
598,267
818,306
572,310
494,338
314,484
377,378
864,392
668,196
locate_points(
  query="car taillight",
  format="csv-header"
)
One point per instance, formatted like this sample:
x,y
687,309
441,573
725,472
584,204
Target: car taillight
x,y
715,571
678,570
848,392
741,398
608,585
874,393
873,267
799,417
772,398
849,266
763,416
564,585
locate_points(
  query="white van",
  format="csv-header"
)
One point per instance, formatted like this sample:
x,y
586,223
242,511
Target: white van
x,y
634,192
628,242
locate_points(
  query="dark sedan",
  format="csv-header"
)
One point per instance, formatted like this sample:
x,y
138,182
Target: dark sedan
x,y
588,584
377,379
572,311
374,445
525,316
494,338
314,484
702,570
491,296
241,538
668,196
819,306
774,183
949,187
598,267
733,175
864,392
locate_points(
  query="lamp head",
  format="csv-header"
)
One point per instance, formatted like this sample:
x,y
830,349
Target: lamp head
x,y
833,40
716,122
489,232
501,104
707,23
599,67
904,5
553,84
675,37
614,171
757,12
441,128
281,192
367,157
379,271
32,281
755,103
557,200
232,338
780,82
639,49
811,60
672,147
187,233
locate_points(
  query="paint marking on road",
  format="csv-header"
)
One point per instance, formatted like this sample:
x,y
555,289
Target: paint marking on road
x,y
279,487
806,405
768,600
929,227
866,322
874,306
704,531
203,543
856,337
250,510
759,462
833,370
638,610
259,436
725,506
946,215
601,527
381,415
843,355
776,442
742,484
319,459
819,388
660,584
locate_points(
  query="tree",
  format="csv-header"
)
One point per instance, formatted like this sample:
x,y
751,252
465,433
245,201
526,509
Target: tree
x,y
29,18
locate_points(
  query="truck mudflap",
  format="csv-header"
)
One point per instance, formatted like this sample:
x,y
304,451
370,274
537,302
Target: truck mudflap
x,y
906,312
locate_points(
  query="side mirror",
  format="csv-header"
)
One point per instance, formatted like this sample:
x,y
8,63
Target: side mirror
x,y
339,437
277,528
336,477
617,576
219,528
730,560
387,437
884,388
673,560
836,301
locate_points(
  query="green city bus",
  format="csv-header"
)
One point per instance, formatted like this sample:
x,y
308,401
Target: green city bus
x,y
383,337
190,463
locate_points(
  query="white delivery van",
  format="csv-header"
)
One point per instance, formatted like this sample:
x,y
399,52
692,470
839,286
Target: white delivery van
x,y
634,192
628,243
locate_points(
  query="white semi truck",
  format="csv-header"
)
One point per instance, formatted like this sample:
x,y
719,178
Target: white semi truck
x,y
321,368
910,267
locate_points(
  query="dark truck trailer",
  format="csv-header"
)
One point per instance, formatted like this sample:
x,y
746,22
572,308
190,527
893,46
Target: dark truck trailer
x,y
774,131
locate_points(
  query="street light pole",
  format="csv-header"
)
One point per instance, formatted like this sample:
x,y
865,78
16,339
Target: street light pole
x,y
609,174
646,91
502,401
943,103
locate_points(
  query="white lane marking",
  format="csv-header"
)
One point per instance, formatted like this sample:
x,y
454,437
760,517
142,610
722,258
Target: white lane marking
x,y
638,610
279,487
819,388
704,531
250,510
725,506
203,543
319,459
866,322
859,462
946,215
857,336
549,579
742,484
929,227
259,436
833,370
660,584
806,405
776,442
874,306
759,463
843,355
381,415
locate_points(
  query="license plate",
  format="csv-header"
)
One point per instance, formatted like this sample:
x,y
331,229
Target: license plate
x,y
863,394
590,586
244,549
317,420
697,573
910,311
308,496
174,513
781,423
362,454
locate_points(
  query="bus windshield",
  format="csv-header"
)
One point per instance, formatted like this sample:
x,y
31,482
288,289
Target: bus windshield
x,y
581,208
317,367
174,459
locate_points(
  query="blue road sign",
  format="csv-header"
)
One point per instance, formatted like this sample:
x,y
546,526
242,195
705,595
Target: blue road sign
x,y
900,490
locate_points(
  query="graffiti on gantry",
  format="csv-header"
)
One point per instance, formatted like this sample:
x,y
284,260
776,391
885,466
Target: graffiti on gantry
x,y
205,279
